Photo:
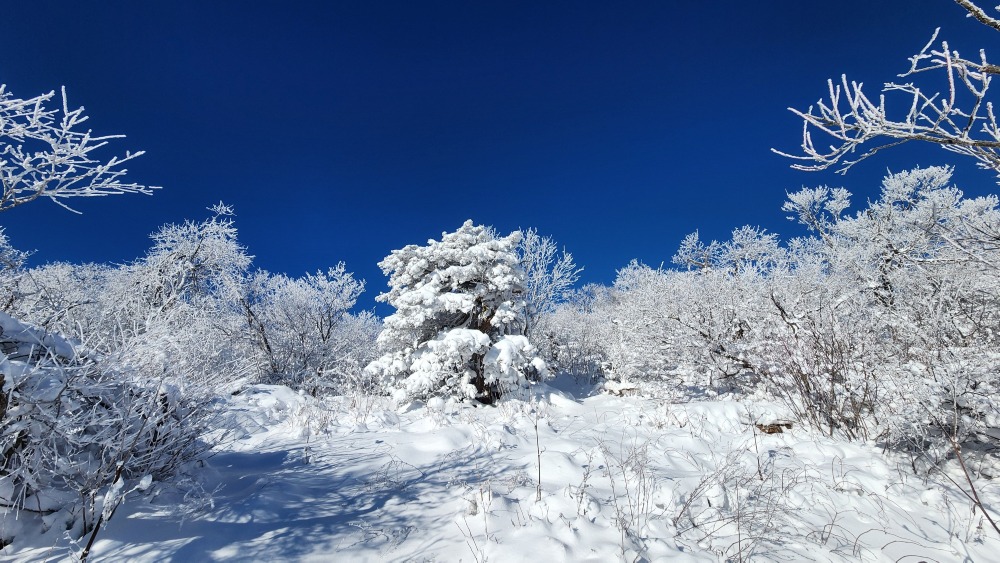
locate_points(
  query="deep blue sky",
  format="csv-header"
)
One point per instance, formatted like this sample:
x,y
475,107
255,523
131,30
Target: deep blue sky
x,y
343,130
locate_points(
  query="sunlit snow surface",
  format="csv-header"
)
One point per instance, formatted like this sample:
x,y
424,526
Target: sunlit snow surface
x,y
352,479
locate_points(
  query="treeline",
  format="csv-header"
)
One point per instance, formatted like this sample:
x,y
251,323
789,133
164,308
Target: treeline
x,y
883,324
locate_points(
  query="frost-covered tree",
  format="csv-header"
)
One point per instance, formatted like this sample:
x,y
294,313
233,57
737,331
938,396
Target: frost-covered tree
x,y
682,333
11,264
304,331
181,297
751,249
79,428
922,259
924,265
44,153
459,323
638,335
882,324
64,297
192,264
549,276
571,338
84,424
958,115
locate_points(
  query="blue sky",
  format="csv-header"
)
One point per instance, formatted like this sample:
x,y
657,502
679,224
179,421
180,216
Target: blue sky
x,y
342,130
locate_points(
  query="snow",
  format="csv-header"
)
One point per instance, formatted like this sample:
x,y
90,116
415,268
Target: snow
x,y
28,340
356,479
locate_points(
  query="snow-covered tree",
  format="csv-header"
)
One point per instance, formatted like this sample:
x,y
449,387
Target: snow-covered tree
x,y
680,334
924,265
638,334
304,331
922,259
571,338
459,323
64,297
79,428
193,263
177,307
882,324
44,153
751,249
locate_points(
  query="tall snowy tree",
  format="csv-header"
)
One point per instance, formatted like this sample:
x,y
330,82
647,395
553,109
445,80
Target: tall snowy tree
x,y
458,329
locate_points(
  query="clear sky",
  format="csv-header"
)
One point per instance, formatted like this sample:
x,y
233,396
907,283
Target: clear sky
x,y
342,130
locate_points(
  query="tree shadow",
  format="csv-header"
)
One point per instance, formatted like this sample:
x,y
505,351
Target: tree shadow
x,y
354,495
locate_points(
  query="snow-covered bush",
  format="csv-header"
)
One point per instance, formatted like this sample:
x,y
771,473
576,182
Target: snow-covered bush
x,y
193,299
81,427
881,325
926,267
638,333
198,264
79,431
678,334
179,303
924,257
818,346
570,338
457,330
68,298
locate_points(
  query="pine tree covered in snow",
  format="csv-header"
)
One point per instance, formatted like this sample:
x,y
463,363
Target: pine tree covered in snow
x,y
458,326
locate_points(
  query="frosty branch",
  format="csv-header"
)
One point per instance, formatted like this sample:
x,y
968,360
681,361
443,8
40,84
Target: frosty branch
x,y
978,13
43,153
960,118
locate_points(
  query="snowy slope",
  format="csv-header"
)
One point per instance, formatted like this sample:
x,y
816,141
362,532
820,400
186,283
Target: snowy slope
x,y
621,478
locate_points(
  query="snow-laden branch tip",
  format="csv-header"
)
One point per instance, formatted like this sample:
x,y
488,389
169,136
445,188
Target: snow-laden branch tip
x,y
45,154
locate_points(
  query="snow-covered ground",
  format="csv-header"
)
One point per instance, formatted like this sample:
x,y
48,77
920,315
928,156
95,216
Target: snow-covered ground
x,y
621,478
